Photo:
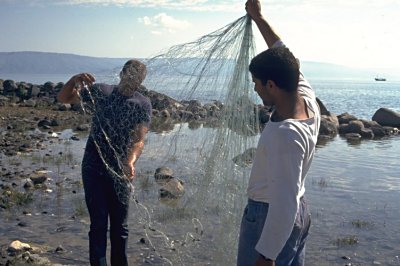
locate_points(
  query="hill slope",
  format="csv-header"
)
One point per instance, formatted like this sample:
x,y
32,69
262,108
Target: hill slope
x,y
54,63
59,63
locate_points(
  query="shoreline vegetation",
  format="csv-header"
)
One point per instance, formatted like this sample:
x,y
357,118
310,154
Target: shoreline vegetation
x,y
27,108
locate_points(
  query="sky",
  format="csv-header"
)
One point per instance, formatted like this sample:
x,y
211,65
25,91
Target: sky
x,y
355,33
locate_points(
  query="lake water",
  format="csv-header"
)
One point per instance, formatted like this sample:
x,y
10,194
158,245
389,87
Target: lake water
x,y
353,190
359,97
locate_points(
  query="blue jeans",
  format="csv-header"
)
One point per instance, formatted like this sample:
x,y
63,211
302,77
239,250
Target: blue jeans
x,y
292,254
103,203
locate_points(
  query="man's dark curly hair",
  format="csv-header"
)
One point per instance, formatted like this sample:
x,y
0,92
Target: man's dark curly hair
x,y
279,65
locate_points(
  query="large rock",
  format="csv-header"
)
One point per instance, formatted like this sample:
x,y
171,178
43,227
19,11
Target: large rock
x,y
186,115
328,127
33,91
44,123
38,179
193,106
355,129
63,106
4,100
49,86
355,126
345,118
22,90
172,189
9,87
58,87
387,117
377,130
18,246
322,108
160,101
29,103
163,173
367,133
83,127
246,158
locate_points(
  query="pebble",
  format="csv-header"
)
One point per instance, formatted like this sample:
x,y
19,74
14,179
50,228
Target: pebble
x,y
38,179
28,184
22,224
59,249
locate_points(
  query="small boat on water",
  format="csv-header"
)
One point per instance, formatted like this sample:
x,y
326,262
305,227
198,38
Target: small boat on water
x,y
380,79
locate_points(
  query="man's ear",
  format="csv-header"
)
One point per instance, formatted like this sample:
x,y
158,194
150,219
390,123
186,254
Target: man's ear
x,y
270,84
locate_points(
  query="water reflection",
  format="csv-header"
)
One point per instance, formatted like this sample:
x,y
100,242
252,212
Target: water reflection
x,y
346,183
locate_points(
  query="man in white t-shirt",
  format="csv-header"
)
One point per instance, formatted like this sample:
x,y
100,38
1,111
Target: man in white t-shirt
x,y
276,219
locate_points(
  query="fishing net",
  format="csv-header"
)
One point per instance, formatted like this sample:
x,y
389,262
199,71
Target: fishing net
x,y
206,119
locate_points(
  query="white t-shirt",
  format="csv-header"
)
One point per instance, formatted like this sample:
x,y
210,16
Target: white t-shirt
x,y
284,154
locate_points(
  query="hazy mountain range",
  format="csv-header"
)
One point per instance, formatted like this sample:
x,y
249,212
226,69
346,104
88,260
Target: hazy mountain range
x,y
54,63
32,63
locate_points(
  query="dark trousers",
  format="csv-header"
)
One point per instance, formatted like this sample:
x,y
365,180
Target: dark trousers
x,y
103,203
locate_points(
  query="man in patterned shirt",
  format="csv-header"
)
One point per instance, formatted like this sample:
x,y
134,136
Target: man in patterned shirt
x,y
120,122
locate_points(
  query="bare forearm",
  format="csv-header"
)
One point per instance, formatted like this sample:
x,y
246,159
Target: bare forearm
x,y
253,9
268,33
135,152
69,93
138,138
133,155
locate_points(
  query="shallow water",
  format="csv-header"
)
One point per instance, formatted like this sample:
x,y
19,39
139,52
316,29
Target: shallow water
x,y
353,190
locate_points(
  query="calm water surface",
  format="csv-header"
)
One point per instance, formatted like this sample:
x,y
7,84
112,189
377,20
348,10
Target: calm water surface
x,y
360,98
354,191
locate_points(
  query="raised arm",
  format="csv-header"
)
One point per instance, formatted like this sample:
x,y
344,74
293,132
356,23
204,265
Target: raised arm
x,y
253,8
69,93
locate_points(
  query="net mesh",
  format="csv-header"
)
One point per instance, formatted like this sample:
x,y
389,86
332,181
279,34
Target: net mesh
x,y
210,88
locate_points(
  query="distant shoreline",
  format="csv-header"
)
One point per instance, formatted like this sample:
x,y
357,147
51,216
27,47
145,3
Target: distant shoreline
x,y
56,78
16,65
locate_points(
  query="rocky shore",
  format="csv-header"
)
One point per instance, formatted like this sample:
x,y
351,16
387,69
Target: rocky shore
x,y
30,116
21,96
